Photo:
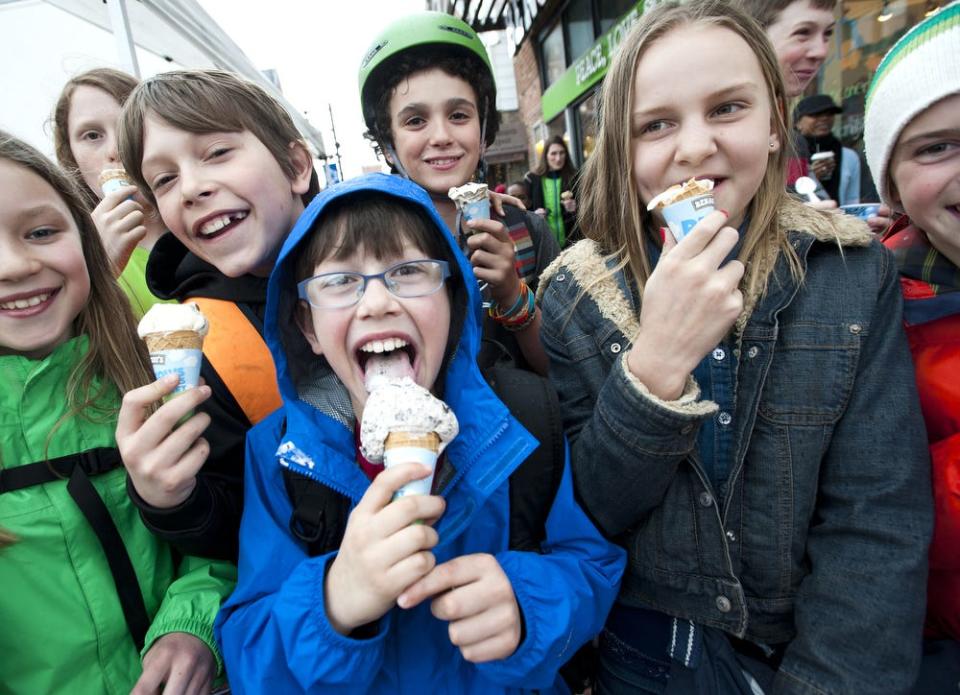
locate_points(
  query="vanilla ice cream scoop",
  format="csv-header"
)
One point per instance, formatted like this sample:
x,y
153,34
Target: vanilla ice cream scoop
x,y
678,192
167,318
468,193
401,405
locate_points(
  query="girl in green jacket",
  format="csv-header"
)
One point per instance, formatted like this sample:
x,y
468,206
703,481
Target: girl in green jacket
x,y
91,601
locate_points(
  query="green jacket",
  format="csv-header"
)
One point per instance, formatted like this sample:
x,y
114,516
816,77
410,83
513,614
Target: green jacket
x,y
61,625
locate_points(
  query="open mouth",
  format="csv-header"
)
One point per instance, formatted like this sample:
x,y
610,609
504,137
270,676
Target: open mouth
x,y
392,358
219,225
29,305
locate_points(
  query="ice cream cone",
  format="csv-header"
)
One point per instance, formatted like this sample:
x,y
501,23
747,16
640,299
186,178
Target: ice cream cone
x,y
396,440
173,340
111,180
472,200
409,447
174,336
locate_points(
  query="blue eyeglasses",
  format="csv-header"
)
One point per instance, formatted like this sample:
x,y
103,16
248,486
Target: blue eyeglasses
x,y
405,280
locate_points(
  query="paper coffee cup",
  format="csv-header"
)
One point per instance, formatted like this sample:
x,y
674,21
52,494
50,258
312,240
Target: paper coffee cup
x,y
683,215
405,447
176,352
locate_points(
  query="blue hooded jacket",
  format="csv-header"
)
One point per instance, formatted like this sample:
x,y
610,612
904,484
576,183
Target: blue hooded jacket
x,y
274,630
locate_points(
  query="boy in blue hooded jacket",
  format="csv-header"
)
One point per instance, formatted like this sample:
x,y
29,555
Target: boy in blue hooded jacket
x,y
439,606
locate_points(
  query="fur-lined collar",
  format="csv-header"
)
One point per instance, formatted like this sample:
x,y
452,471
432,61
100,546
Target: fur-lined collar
x,y
589,266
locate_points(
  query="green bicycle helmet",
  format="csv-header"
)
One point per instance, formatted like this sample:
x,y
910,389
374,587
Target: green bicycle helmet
x,y
420,30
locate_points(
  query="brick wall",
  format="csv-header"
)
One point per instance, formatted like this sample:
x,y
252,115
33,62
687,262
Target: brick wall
x,y
529,90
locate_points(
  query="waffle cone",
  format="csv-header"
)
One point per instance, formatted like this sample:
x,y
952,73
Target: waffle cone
x,y
396,440
173,340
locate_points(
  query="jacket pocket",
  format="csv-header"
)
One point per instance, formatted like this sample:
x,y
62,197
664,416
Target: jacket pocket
x,y
812,374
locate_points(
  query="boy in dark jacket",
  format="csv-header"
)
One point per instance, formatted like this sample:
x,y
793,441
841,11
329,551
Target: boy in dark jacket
x,y
224,165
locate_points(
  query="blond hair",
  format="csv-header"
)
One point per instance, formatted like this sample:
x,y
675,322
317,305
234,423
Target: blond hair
x,y
611,212
117,84
209,101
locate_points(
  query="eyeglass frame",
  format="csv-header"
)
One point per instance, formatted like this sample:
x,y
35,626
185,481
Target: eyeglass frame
x,y
444,276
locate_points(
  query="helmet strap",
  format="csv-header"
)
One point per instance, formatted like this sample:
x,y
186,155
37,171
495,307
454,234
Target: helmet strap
x,y
482,163
397,164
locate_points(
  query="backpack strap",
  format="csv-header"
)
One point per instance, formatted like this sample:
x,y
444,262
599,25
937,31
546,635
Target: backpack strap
x,y
77,469
532,400
237,351
320,514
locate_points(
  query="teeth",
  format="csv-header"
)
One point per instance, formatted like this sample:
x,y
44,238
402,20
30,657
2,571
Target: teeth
x,y
25,303
214,225
387,345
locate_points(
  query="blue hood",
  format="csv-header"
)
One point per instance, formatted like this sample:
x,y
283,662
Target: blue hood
x,y
308,385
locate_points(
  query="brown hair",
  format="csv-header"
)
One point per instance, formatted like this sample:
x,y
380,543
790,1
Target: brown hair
x,y
610,211
766,12
208,101
454,61
377,222
567,173
117,84
117,356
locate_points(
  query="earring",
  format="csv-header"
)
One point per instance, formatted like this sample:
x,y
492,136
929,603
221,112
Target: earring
x,y
773,145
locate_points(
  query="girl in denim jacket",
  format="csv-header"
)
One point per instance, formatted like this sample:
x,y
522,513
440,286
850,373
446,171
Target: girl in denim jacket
x,y
740,402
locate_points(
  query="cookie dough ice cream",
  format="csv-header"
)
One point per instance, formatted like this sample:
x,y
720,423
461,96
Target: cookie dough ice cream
x,y
683,205
403,422
472,200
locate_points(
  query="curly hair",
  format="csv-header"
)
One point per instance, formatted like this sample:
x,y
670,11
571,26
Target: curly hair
x,y
451,60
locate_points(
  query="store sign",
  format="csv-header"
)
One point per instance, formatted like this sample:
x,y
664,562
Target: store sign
x,y
588,68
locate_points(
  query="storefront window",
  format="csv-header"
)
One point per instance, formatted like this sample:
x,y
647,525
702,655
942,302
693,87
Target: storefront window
x,y
579,20
587,124
861,44
611,11
554,60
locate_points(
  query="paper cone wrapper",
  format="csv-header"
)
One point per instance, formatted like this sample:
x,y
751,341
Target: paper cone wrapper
x,y
476,210
176,352
683,215
406,447
111,180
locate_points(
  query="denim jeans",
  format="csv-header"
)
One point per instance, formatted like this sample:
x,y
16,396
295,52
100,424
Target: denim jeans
x,y
625,670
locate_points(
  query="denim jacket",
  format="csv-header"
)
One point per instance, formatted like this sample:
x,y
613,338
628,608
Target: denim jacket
x,y
817,541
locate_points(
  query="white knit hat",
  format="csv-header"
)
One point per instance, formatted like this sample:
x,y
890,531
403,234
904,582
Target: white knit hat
x,y
922,68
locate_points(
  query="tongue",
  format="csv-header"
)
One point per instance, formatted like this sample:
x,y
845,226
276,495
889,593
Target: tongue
x,y
390,366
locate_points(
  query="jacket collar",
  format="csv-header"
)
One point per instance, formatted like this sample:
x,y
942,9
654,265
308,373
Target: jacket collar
x,y
804,226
